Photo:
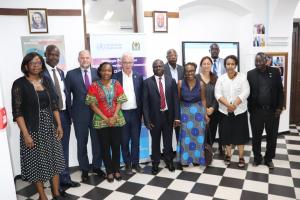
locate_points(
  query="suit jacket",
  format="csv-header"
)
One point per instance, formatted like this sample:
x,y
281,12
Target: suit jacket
x,y
276,90
151,100
66,91
179,71
138,88
221,65
80,112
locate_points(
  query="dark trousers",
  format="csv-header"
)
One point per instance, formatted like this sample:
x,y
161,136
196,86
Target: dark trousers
x,y
213,125
64,177
110,142
82,130
165,128
259,120
131,135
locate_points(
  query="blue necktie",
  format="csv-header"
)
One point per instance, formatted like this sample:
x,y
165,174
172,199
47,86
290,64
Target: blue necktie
x,y
215,68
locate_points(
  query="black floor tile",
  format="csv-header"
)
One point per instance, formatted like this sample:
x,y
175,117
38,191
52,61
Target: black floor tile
x,y
94,180
188,176
281,157
296,182
97,193
139,198
214,170
293,142
172,194
248,195
27,191
204,189
130,188
161,182
295,165
232,182
293,152
254,176
281,171
282,190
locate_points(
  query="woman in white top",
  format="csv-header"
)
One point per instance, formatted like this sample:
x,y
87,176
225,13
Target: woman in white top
x,y
231,91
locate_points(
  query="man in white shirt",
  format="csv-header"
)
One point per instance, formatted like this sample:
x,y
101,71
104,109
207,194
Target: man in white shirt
x,y
52,55
132,83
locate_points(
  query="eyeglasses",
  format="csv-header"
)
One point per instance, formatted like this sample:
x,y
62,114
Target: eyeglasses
x,y
35,63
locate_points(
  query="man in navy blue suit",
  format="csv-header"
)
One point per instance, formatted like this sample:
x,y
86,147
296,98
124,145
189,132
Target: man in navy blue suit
x,y
78,80
52,55
132,83
161,113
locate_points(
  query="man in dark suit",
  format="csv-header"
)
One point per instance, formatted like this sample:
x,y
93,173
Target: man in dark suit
x,y
265,104
52,55
161,113
132,83
78,80
175,71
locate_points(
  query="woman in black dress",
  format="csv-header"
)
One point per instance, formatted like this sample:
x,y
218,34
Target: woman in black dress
x,y
35,110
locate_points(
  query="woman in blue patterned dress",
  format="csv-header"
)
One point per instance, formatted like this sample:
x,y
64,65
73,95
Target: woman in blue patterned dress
x,y
190,147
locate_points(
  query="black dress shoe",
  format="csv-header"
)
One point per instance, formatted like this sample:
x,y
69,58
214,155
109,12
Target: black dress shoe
x,y
269,164
84,176
110,178
179,166
118,176
128,169
170,166
63,193
138,168
71,184
154,169
99,172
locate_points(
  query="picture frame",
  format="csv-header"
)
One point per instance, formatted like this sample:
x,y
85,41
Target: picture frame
x,y
37,20
279,60
160,21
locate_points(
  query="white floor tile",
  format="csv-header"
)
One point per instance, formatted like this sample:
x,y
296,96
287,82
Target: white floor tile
x,y
218,163
290,137
235,173
259,169
281,163
119,195
111,186
21,184
193,196
281,151
295,173
228,193
281,141
281,180
275,197
182,185
209,179
150,192
80,191
297,192
141,178
19,197
196,169
76,176
256,186
167,174
294,158
293,146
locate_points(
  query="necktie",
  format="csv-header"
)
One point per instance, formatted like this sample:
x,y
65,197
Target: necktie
x,y
162,95
58,91
86,79
215,68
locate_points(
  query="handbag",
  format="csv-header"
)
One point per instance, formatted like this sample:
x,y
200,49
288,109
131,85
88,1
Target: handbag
x,y
208,150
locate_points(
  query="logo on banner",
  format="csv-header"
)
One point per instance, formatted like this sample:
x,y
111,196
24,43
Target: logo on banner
x,y
3,118
136,46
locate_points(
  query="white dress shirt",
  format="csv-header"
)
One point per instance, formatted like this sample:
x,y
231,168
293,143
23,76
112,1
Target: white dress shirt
x,y
164,88
174,72
88,73
129,92
230,89
61,83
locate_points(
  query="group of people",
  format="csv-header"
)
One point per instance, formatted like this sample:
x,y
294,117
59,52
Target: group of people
x,y
110,107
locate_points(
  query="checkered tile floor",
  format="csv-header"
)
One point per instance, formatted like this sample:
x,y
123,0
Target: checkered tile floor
x,y
199,183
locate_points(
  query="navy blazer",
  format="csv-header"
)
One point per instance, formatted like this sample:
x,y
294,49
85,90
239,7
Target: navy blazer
x,y
151,100
138,88
180,71
80,112
62,77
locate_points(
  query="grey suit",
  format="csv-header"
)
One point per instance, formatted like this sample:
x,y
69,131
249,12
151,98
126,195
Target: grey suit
x,y
220,67
82,118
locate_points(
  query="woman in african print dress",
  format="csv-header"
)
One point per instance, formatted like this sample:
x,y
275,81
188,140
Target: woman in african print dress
x,y
105,97
190,148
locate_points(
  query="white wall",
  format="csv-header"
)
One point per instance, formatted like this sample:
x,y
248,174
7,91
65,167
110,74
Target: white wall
x,y
11,53
223,20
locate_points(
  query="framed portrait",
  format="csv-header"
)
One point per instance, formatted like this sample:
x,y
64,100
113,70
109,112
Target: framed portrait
x,y
160,21
37,20
279,60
